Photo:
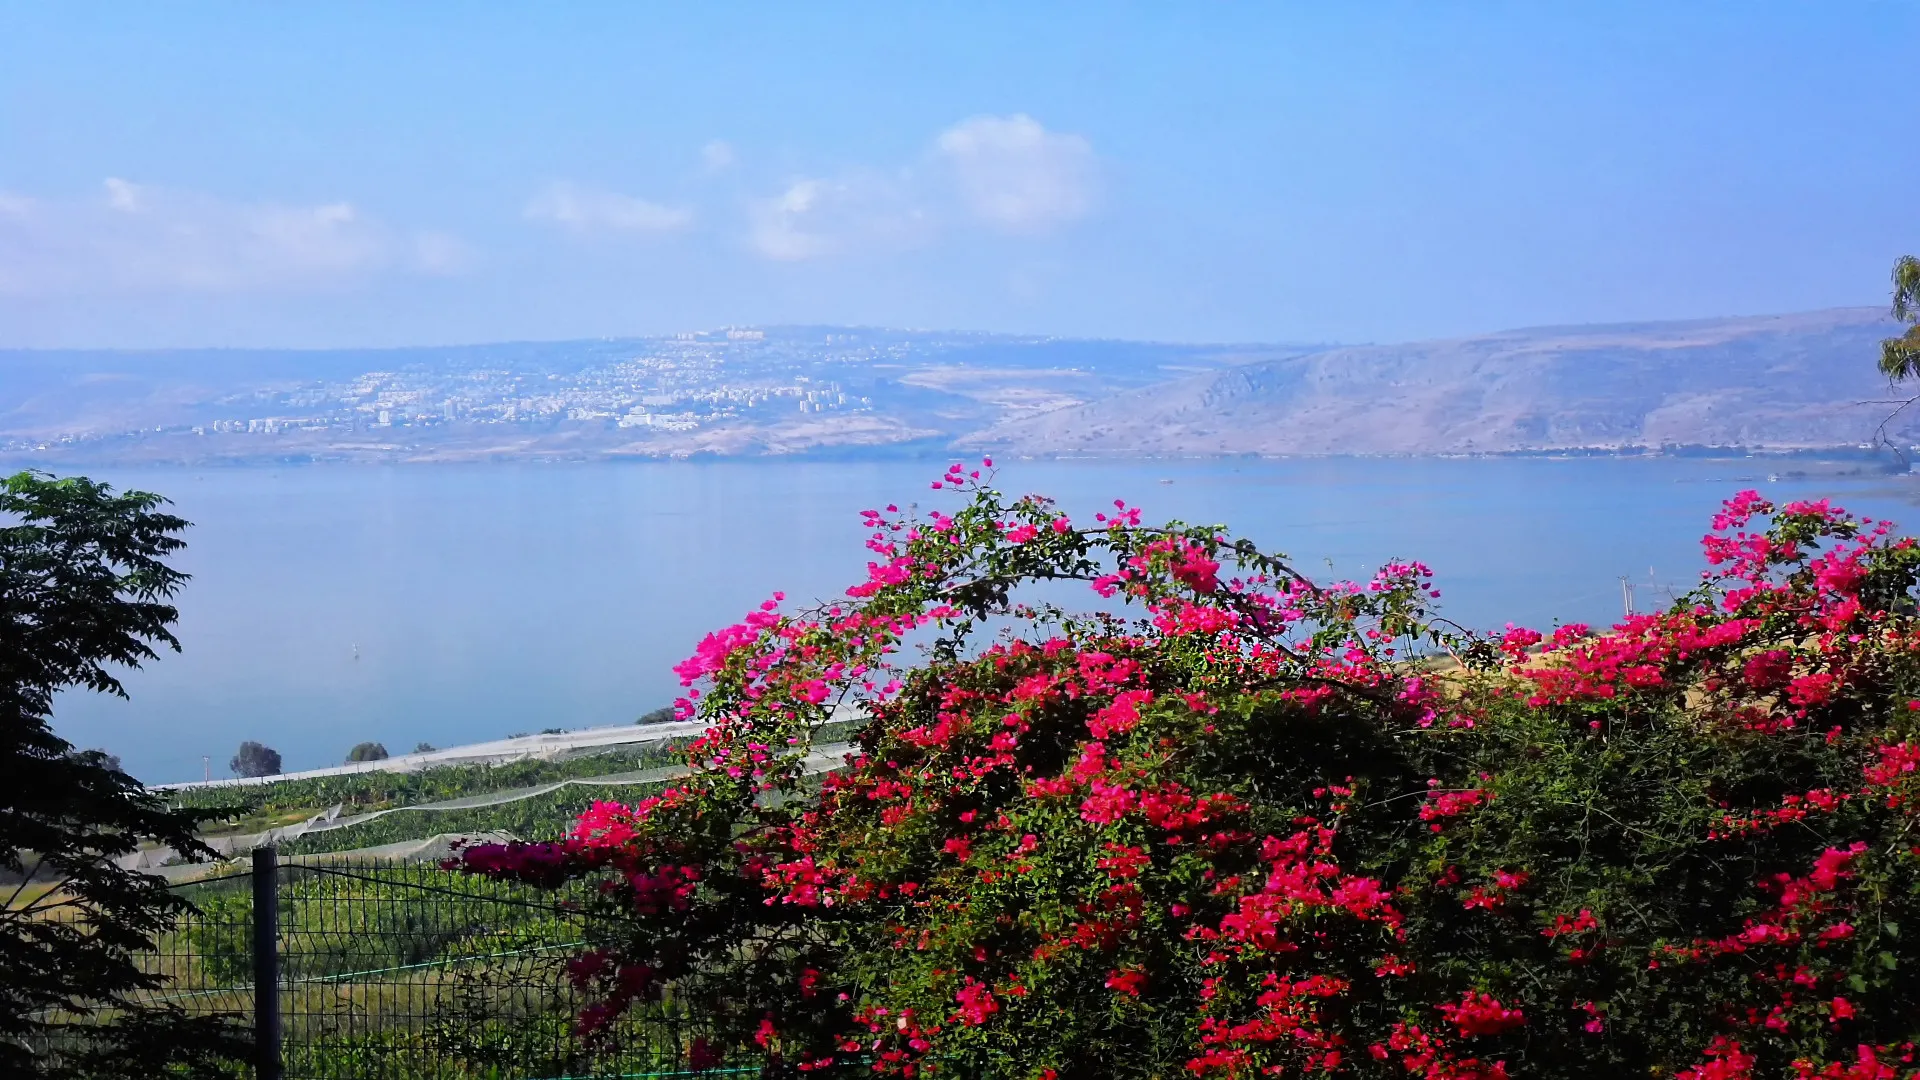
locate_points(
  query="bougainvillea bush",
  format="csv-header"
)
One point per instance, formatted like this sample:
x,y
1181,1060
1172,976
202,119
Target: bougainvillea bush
x,y
1233,822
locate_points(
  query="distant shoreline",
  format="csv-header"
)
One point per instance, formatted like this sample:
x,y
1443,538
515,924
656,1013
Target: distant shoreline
x,y
1865,461
1790,386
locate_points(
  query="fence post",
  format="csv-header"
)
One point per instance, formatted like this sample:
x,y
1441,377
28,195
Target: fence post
x,y
266,963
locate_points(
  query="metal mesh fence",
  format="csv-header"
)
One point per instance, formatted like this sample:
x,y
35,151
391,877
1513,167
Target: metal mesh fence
x,y
397,971
184,978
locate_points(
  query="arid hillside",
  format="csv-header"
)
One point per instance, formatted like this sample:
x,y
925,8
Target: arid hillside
x,y
1784,381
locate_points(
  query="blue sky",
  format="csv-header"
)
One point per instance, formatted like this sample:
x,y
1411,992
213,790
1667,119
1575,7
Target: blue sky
x,y
211,174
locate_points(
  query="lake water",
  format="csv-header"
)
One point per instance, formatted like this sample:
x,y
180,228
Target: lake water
x,y
451,604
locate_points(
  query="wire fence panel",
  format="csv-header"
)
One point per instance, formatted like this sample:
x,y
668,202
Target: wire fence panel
x,y
411,971
407,971
184,976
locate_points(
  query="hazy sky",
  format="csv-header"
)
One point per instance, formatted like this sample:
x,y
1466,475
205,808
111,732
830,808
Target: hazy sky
x,y
207,174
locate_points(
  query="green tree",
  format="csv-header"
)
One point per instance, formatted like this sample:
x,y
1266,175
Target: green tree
x,y
1900,356
367,751
255,759
83,589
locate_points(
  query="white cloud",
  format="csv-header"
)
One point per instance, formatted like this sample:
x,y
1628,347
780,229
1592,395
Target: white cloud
x,y
717,156
139,238
122,195
583,211
856,214
442,253
1015,175
1007,173
780,224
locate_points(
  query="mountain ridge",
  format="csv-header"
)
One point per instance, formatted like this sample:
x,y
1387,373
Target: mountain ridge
x,y
1795,381
1791,381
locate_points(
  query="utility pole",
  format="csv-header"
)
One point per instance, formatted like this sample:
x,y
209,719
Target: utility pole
x,y
206,766
1626,594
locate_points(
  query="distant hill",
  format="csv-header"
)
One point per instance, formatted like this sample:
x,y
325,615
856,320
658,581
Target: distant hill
x,y
737,392
1782,381
1773,382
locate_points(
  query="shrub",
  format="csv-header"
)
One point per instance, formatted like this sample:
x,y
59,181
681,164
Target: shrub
x,y
222,937
1236,822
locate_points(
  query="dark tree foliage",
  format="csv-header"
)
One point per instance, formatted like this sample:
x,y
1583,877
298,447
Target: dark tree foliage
x,y
255,759
111,761
367,751
83,586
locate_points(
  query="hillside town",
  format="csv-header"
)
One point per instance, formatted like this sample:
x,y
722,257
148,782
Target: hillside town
x,y
731,391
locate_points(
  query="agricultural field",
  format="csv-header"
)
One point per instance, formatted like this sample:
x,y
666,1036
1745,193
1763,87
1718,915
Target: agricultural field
x,y
461,799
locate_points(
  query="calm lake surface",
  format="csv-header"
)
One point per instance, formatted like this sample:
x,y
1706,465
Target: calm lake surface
x,y
450,604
